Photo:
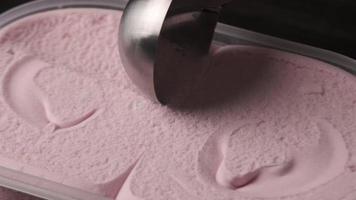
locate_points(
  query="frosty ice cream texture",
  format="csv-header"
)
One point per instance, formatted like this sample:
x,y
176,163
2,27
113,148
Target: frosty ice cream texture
x,y
69,113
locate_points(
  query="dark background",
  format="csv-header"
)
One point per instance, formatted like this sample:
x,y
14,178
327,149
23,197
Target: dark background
x,y
330,24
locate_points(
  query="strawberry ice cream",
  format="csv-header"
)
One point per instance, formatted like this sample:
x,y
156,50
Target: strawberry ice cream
x,y
261,124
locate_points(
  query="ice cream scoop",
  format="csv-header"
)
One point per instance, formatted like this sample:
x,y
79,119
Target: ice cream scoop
x,y
165,43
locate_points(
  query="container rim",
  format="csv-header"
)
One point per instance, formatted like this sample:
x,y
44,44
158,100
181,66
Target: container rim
x,y
38,6
235,35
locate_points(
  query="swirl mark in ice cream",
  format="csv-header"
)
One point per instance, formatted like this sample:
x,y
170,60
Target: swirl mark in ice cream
x,y
119,188
125,192
26,98
303,170
123,185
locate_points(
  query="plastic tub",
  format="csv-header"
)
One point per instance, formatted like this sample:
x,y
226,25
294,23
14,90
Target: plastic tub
x,y
225,34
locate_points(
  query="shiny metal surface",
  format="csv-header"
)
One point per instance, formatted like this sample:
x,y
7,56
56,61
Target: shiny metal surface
x,y
164,44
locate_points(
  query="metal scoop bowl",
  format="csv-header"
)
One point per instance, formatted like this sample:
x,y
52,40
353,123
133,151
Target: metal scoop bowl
x,y
164,44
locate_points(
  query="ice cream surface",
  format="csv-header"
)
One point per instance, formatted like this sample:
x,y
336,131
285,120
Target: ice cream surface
x,y
262,124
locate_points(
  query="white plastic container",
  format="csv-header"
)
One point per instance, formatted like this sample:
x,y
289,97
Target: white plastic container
x,y
225,34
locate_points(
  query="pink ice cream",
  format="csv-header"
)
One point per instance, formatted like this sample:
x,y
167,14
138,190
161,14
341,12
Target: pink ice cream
x,y
263,124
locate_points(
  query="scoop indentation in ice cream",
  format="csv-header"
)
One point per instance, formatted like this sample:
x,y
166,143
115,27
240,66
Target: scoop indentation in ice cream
x,y
125,192
303,171
27,100
120,187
